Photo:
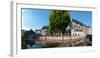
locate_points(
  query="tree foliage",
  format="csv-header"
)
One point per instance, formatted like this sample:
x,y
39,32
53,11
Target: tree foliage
x,y
23,41
58,21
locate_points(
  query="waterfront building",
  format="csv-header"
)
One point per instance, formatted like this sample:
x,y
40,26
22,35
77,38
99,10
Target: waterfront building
x,y
79,29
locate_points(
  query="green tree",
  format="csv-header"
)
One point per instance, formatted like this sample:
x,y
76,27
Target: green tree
x,y
58,21
52,17
23,41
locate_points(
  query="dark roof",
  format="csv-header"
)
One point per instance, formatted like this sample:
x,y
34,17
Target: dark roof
x,y
30,31
45,27
78,22
89,26
38,30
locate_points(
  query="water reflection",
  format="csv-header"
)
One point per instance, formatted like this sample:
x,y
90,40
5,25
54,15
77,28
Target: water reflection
x,y
35,46
59,43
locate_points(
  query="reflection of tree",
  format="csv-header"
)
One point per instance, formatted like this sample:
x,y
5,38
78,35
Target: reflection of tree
x,y
24,45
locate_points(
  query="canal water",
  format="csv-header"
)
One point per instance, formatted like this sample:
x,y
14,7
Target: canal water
x,y
63,44
35,46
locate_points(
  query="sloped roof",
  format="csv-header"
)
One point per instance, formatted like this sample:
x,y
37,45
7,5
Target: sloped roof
x,y
78,22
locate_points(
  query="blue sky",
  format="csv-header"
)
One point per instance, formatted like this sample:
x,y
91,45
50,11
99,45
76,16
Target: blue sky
x,y
34,18
37,18
83,16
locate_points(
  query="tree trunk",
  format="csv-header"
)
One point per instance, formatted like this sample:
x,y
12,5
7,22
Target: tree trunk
x,y
62,37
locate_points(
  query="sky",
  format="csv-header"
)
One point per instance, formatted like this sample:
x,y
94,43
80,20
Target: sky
x,y
83,16
37,18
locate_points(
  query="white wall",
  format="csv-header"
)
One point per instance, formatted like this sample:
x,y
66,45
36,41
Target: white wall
x,y
5,29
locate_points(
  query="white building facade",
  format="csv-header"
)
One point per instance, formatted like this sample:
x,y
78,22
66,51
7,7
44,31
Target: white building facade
x,y
79,29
